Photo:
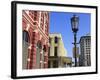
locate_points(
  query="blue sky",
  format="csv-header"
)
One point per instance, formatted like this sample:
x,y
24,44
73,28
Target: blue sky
x,y
60,23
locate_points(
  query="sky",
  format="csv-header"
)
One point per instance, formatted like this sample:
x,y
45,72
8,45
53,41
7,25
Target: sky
x,y
60,23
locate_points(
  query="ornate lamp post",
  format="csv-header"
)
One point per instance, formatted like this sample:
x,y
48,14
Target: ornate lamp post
x,y
74,25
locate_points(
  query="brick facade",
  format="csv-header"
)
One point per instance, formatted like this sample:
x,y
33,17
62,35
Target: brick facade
x,y
36,23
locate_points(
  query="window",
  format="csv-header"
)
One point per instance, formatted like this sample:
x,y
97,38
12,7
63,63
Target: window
x,y
34,23
56,40
48,64
35,18
25,36
49,40
38,50
35,13
25,49
55,53
49,52
55,64
43,57
89,60
42,21
31,13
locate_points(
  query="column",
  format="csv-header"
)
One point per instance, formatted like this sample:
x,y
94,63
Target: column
x,y
33,51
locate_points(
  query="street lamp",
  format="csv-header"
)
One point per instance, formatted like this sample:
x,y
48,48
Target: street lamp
x,y
74,25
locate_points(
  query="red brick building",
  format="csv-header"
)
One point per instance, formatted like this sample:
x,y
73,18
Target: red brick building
x,y
35,26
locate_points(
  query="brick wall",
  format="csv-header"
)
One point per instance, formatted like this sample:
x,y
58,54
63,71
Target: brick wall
x,y
36,23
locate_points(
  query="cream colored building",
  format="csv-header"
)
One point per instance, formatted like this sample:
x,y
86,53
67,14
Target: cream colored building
x,y
57,52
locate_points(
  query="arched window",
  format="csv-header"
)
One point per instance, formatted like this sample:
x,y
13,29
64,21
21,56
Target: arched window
x,y
25,49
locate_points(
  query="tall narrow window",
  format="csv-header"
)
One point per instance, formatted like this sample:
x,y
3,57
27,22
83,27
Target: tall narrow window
x,y
35,15
49,52
55,51
49,40
56,40
25,49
